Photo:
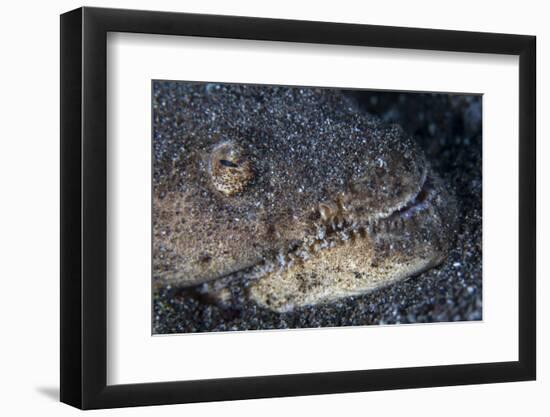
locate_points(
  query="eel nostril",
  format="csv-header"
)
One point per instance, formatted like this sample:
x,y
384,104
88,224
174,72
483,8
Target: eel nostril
x,y
327,210
205,258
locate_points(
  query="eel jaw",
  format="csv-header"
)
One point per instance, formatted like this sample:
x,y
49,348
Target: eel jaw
x,y
336,229
351,256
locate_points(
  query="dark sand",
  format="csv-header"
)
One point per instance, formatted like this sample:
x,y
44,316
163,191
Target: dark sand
x,y
448,127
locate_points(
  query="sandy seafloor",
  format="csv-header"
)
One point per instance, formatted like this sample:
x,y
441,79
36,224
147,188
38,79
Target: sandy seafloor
x,y
448,127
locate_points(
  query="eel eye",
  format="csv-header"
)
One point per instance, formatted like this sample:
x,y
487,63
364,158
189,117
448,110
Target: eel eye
x,y
228,164
229,168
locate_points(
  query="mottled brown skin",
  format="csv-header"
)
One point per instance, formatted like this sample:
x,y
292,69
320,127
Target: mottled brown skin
x,y
292,192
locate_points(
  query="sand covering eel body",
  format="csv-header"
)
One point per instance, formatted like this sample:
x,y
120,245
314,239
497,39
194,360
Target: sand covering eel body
x,y
292,194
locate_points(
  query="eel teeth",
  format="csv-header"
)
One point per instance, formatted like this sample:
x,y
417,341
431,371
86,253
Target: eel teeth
x,y
343,235
321,232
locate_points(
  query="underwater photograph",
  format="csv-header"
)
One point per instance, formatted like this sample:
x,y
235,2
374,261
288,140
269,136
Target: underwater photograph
x,y
286,207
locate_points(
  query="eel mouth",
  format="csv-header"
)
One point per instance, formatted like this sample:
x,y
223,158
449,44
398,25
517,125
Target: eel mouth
x,y
420,202
335,226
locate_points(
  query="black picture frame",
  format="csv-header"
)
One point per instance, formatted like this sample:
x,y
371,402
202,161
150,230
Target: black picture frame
x,y
84,207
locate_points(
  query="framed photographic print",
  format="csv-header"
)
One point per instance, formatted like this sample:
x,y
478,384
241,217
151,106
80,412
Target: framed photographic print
x,y
256,208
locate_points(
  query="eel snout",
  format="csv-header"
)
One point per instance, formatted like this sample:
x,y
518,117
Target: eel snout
x,y
352,251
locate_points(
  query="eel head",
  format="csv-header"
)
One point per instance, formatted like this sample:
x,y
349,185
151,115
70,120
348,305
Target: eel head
x,y
293,193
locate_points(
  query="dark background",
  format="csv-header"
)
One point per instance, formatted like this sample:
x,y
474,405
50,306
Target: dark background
x,y
448,127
